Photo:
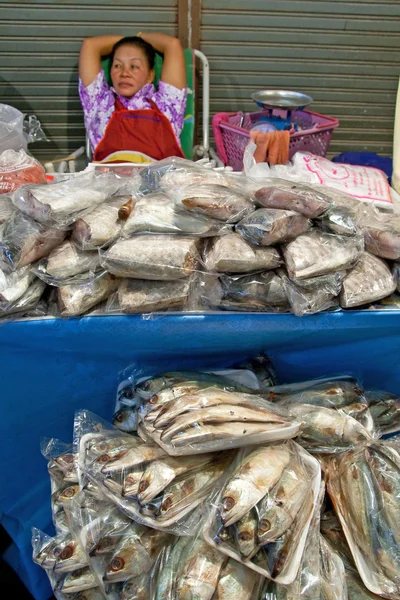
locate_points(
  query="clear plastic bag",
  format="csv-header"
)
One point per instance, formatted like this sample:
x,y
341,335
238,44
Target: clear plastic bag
x,y
232,254
7,209
65,263
26,302
155,257
144,296
101,226
261,513
364,487
76,298
157,213
213,419
67,201
215,201
25,241
287,195
173,172
14,285
308,301
259,292
332,574
16,169
339,220
385,410
317,253
369,281
117,462
269,226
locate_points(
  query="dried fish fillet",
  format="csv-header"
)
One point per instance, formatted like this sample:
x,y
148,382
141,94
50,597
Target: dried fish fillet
x,y
369,281
288,195
140,295
158,257
67,261
269,226
74,299
232,254
216,201
99,227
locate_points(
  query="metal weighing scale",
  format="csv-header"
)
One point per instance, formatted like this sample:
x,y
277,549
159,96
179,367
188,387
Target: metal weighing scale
x,y
285,100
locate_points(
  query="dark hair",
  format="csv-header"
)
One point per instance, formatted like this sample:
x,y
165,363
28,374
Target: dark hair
x,y
146,48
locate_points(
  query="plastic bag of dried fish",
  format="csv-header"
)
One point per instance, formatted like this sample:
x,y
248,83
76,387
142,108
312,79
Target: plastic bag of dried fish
x,y
335,414
261,513
77,298
144,296
26,302
382,234
308,300
364,487
65,202
232,254
332,573
259,292
25,241
289,195
269,226
103,225
215,201
214,419
7,208
339,220
154,257
142,480
176,172
369,281
67,264
159,213
318,253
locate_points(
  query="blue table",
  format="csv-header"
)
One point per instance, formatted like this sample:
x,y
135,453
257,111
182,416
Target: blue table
x,y
50,368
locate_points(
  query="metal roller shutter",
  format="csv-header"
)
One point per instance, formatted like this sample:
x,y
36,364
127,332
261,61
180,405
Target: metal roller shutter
x,y
39,47
346,55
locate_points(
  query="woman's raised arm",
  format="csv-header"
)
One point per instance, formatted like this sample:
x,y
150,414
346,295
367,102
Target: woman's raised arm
x,y
174,68
92,50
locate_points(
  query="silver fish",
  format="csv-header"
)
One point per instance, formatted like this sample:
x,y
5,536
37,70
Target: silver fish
x,y
232,254
99,227
213,433
245,533
200,573
67,261
131,483
332,573
100,445
24,241
222,413
159,257
339,220
75,299
132,457
125,419
317,253
70,556
79,580
328,393
236,581
65,496
135,555
300,198
257,292
139,295
256,474
269,226
136,589
160,473
217,201
369,281
47,555
91,594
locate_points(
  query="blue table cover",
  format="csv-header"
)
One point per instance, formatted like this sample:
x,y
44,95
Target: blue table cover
x,y
50,368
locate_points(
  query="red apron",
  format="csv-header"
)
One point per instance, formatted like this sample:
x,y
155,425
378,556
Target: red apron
x,y
145,131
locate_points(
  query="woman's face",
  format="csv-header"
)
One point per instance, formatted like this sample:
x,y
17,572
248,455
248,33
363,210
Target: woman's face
x,y
130,71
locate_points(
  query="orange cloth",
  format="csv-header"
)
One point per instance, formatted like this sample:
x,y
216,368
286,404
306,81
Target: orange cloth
x,y
272,147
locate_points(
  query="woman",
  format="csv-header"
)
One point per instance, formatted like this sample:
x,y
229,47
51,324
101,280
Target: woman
x,y
132,121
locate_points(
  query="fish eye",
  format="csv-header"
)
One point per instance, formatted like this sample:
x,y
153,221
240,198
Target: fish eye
x,y
144,485
228,503
117,564
264,525
66,553
166,504
119,418
129,393
69,492
154,399
245,536
104,458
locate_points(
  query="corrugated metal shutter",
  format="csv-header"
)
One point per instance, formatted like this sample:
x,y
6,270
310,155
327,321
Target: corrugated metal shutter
x,y
39,48
346,55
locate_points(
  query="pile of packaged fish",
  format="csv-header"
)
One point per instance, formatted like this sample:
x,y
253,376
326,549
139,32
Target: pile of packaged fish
x,y
229,500
178,236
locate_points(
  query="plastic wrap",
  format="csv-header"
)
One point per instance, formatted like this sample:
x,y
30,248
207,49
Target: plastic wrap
x,y
270,492
269,226
25,241
259,292
339,220
157,213
232,254
308,300
66,201
7,210
141,479
317,253
17,168
385,410
382,234
287,195
26,302
77,298
332,574
172,172
99,227
14,285
213,419
364,487
155,257
66,262
369,281
144,296
216,201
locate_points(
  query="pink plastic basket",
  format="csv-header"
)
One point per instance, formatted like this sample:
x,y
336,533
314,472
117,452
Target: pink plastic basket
x,y
231,133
